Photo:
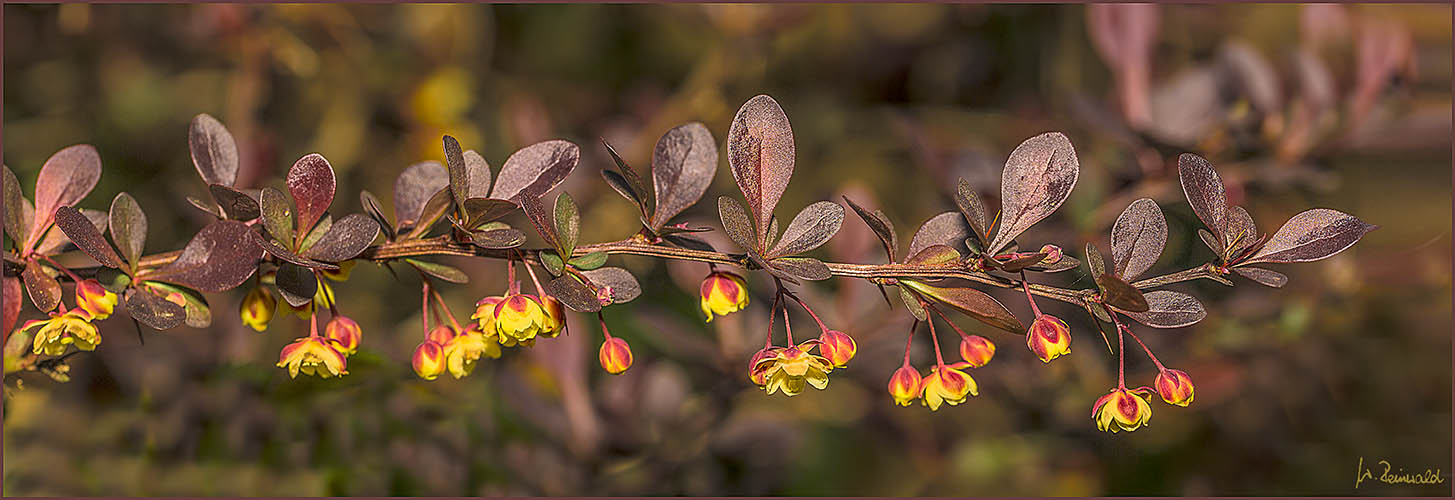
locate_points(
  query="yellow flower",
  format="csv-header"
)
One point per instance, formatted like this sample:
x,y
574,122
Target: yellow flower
x,y
1127,409
838,347
1175,387
342,273
1049,338
615,355
757,371
793,367
519,318
428,360
555,316
723,293
346,332
95,299
72,327
485,313
904,385
976,350
947,384
257,308
313,356
463,350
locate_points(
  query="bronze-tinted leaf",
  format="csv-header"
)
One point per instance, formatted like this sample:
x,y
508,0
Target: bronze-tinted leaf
x,y
1206,194
879,223
217,259
911,302
1095,263
55,240
311,183
433,210
736,223
689,242
974,210
500,238
414,187
810,229
947,229
632,181
541,219
803,267
975,303
236,204
372,207
11,303
1037,178
574,294
1169,309
459,175
195,309
441,271
1019,264
1137,238
80,231
623,187
761,153
1117,293
16,224
480,211
297,284
1312,235
1262,276
154,311
210,208
568,223
45,291
128,226
1210,241
1242,231
479,169
214,152
272,247
277,214
316,234
934,255
683,165
1066,263
552,262
345,239
535,169
66,178
615,283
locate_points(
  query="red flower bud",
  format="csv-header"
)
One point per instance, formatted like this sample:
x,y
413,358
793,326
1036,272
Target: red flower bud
x,y
346,332
428,360
976,350
904,385
838,347
1175,387
615,355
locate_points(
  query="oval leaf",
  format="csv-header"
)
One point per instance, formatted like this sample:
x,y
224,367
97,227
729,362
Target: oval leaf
x,y
879,223
440,271
81,232
195,309
497,238
128,226
459,175
948,229
214,152
630,181
1206,194
974,210
803,267
1137,238
1037,178
736,223
414,186
236,204
345,239
44,290
934,255
1262,276
1117,293
66,178
975,303
1313,235
433,210
16,224
272,247
277,214
11,303
683,165
479,173
574,294
536,169
568,223
761,151
615,283
297,284
219,258
1169,309
311,183
154,311
810,229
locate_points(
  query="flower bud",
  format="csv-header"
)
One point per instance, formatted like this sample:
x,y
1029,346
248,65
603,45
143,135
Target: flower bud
x,y
313,356
976,350
904,385
519,317
428,360
95,299
947,384
257,308
615,355
838,347
555,316
440,334
1122,410
1175,387
1053,254
722,293
346,332
757,369
1049,337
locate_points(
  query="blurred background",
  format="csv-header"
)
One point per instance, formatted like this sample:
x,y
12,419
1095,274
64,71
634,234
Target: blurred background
x,y
1347,107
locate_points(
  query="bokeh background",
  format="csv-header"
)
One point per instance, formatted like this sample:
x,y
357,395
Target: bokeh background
x,y
1299,106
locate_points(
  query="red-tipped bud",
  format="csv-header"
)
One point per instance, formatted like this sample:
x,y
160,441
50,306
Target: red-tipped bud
x,y
440,334
615,355
904,385
429,360
1049,338
1175,387
976,350
838,347
555,316
257,308
1053,254
757,368
346,332
722,293
95,299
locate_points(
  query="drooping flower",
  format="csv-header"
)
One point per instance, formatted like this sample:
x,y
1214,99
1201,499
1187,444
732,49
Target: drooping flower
x,y
757,372
1049,338
428,360
947,384
345,268
257,308
615,355
793,367
519,318
463,350
555,316
904,385
1122,409
346,332
62,329
976,350
485,313
95,299
723,293
838,347
1175,387
313,356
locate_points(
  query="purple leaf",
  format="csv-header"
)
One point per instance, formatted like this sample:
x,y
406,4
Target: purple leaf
x,y
1241,231
574,294
66,178
802,267
311,183
541,219
1312,235
1206,194
617,284
630,182
761,151
296,284
683,165
975,303
16,224
736,223
272,247
974,210
55,240
433,210
1169,309
535,169
413,188
45,292
497,238
371,207
479,170
219,258
810,229
1137,238
1037,178
154,311
440,271
214,152
345,239
880,224
1021,263
81,232
1117,293
277,214
947,229
934,255
11,306
459,175
479,211
1262,276
236,204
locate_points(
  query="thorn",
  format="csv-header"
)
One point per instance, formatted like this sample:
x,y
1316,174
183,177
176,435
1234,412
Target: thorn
x,y
139,337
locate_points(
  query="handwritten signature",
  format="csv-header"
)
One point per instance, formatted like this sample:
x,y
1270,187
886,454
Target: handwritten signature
x,y
1428,476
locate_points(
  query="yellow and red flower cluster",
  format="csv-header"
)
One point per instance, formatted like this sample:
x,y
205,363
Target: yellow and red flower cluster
x,y
73,327
323,355
1129,409
945,383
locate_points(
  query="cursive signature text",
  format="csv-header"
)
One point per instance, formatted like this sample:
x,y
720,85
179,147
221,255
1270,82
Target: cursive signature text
x,y
1390,476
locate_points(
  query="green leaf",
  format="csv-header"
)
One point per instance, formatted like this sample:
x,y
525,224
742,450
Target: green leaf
x,y
552,263
277,214
199,314
912,303
128,227
973,302
589,261
440,271
568,223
